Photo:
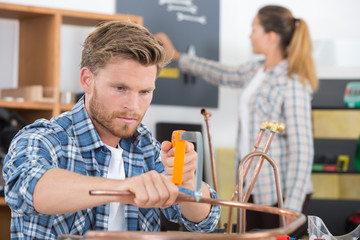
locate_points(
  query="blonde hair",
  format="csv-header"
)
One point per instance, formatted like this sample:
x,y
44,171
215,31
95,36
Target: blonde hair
x,y
295,42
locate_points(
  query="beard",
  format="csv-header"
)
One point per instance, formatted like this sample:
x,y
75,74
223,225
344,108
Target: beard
x,y
108,120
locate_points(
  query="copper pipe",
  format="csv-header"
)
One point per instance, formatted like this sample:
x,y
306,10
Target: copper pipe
x,y
300,219
273,127
229,222
255,174
244,168
255,148
265,125
257,168
277,182
247,167
207,116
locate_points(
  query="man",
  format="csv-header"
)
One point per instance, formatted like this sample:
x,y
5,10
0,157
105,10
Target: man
x,y
101,144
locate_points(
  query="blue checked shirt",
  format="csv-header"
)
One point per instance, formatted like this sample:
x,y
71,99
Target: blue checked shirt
x,y
71,142
279,98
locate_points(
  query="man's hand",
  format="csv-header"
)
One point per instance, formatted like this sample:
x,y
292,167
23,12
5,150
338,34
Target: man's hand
x,y
195,212
167,158
151,190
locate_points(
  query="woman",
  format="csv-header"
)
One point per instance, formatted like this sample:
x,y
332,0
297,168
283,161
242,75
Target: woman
x,y
278,88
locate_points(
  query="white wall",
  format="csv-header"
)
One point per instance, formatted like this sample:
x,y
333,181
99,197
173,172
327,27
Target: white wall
x,y
335,28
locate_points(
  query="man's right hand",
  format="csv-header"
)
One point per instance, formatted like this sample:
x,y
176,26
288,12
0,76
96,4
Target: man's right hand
x,y
151,190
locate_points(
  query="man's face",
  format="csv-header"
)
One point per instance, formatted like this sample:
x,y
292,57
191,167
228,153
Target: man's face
x,y
119,97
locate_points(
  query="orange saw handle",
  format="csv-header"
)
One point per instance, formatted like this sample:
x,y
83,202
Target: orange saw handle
x,y
179,158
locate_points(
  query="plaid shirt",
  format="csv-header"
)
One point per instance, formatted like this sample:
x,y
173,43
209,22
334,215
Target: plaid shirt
x,y
279,99
71,142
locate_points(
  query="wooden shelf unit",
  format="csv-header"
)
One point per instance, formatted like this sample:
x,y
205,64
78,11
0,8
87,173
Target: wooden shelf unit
x,y
39,50
336,194
39,62
334,130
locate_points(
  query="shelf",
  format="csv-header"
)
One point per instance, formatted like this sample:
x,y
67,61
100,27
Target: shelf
x,y
16,11
26,105
336,186
336,124
336,132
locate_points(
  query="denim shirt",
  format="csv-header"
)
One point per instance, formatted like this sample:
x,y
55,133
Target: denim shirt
x,y
70,141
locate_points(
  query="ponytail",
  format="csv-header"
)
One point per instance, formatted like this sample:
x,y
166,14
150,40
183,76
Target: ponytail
x,y
300,55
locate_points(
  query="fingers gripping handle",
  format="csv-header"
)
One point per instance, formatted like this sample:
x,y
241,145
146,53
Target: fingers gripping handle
x,y
197,138
179,157
178,141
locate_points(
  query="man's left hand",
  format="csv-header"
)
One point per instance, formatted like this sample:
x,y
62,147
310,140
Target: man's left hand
x,y
167,158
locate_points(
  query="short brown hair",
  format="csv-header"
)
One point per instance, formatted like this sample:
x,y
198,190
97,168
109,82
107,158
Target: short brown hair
x,y
122,39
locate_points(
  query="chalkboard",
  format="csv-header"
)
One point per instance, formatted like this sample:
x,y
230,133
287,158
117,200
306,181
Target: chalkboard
x,y
187,22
